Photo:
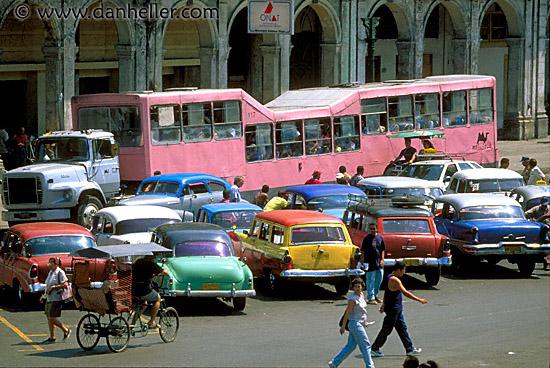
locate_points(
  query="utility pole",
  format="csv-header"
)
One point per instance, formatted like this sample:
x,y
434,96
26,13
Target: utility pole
x,y
370,25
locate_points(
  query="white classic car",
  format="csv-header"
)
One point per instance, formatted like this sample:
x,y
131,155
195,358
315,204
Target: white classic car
x,y
485,181
439,171
385,189
130,224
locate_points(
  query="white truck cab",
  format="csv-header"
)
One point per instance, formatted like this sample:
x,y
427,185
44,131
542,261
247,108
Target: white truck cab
x,y
75,173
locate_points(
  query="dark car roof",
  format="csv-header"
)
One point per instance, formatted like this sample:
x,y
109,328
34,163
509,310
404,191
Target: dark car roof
x,y
37,229
385,211
184,178
315,190
173,234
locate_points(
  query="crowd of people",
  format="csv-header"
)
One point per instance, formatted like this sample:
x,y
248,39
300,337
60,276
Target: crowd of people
x,y
14,150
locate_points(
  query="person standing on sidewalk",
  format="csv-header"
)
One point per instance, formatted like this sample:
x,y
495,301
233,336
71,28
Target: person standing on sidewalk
x,y
355,317
373,252
393,307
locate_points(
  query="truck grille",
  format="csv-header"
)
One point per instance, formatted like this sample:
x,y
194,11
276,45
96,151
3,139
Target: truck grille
x,y
23,191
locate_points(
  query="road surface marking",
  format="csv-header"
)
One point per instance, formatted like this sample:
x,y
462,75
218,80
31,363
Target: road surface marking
x,y
37,335
24,337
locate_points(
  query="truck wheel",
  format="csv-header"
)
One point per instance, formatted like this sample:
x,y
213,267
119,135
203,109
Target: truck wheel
x,y
432,275
87,208
526,267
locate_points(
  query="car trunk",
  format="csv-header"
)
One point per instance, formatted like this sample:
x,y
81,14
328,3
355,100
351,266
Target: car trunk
x,y
321,256
506,230
410,245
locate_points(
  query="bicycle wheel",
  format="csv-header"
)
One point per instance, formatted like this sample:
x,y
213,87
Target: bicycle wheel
x,y
87,331
169,323
137,326
118,334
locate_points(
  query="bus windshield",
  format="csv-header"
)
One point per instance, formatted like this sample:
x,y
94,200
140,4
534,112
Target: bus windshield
x,y
62,149
122,121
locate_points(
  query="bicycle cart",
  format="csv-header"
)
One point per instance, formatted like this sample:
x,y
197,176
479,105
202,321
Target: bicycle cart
x,y
113,298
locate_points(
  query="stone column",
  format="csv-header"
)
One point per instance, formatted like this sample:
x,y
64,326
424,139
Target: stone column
x,y
271,86
223,44
541,119
140,42
330,63
361,42
404,59
346,47
516,124
209,67
154,55
255,75
126,67
52,60
286,47
460,55
68,77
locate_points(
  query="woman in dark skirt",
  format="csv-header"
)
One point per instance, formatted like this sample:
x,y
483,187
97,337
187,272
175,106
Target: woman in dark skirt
x,y
56,282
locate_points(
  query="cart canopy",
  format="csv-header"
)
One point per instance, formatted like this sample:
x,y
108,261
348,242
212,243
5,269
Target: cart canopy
x,y
122,250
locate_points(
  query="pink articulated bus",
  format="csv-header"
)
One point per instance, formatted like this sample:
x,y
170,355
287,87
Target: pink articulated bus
x,y
226,132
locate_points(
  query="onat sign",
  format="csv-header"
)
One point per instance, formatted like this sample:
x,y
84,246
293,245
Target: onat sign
x,y
271,16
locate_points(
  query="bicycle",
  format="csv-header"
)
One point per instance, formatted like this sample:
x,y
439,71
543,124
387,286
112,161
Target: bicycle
x,y
168,320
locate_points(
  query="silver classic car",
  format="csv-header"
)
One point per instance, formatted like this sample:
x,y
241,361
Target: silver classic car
x,y
530,196
491,227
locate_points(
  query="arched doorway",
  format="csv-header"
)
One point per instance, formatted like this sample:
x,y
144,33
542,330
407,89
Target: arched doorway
x,y
382,64
547,72
305,56
244,66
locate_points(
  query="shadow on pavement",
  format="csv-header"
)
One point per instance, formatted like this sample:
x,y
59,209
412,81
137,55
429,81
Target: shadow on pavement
x,y
484,270
100,349
212,307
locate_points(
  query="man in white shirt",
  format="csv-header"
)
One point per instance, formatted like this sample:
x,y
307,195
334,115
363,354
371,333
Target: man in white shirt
x,y
235,189
536,173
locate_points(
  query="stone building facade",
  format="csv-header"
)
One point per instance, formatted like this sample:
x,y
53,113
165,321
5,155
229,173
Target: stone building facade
x,y
43,63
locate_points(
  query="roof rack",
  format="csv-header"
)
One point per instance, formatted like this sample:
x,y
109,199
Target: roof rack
x,y
363,204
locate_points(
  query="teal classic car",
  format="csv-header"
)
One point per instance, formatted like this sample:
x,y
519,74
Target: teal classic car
x,y
203,263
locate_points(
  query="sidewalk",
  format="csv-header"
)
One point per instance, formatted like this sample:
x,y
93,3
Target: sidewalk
x,y
538,149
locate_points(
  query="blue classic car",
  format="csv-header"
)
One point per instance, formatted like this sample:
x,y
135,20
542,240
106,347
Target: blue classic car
x,y
331,199
491,227
184,192
203,263
230,216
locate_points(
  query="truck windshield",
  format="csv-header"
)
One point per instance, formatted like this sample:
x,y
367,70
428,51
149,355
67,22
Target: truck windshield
x,y
234,219
426,172
62,149
58,244
141,225
205,248
490,212
317,234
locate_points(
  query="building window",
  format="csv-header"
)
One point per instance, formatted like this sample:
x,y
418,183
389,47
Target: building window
x,y
400,113
346,133
259,142
481,106
426,111
494,26
288,136
227,120
374,117
197,122
318,136
454,108
165,124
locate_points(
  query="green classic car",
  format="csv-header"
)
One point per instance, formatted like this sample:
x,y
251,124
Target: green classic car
x,y
203,263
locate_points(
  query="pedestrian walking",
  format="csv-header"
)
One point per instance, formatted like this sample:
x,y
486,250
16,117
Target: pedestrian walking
x,y
56,282
355,317
373,252
393,307
315,178
262,197
358,176
526,168
235,189
536,174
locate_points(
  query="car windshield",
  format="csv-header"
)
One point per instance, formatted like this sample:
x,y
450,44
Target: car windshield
x,y
164,187
492,185
234,219
204,248
328,202
62,149
317,234
406,226
534,202
57,244
416,192
490,212
141,225
426,172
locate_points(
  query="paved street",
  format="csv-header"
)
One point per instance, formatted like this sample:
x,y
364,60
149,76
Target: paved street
x,y
490,318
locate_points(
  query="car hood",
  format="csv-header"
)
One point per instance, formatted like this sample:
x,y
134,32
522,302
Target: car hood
x,y
62,172
149,199
501,229
133,238
206,269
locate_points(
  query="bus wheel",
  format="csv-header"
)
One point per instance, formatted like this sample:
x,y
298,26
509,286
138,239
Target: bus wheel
x,y
86,210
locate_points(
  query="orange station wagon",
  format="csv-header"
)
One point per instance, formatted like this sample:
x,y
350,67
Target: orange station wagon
x,y
300,245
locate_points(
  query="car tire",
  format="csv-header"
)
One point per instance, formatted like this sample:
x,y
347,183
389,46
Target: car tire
x,y
458,262
88,206
342,287
239,304
273,284
20,297
433,275
526,267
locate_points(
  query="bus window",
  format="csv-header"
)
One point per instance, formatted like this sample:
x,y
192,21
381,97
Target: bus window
x,y
400,113
454,108
197,122
374,118
318,136
289,139
346,133
259,142
122,121
165,124
227,120
481,106
426,108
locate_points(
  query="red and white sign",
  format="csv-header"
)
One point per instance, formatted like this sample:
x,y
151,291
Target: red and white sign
x,y
271,16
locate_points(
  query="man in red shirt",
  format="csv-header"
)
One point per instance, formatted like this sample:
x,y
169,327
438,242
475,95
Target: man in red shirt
x,y
20,150
315,178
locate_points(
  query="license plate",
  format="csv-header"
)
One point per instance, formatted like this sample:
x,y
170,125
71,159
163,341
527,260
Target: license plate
x,y
211,286
512,249
411,262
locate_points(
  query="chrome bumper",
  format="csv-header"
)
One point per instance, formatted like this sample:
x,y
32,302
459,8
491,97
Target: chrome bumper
x,y
506,249
36,215
421,262
233,293
321,274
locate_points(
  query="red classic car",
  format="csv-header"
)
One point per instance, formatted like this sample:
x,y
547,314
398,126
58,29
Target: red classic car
x,y
409,235
26,249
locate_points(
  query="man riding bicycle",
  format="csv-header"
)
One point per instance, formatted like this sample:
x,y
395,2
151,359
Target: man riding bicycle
x,y
143,272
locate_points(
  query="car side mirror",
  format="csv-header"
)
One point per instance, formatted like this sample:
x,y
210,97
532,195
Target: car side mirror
x,y
447,179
